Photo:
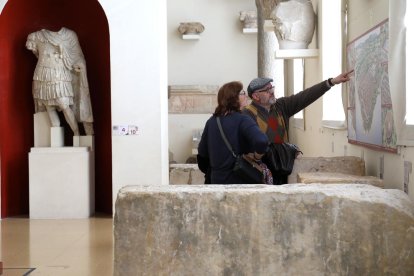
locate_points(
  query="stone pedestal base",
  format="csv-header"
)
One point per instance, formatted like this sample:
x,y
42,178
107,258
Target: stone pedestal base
x,y
57,137
41,127
84,141
44,134
61,183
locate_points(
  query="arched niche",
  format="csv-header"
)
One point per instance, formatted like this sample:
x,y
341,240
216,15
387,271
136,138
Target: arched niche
x,y
17,19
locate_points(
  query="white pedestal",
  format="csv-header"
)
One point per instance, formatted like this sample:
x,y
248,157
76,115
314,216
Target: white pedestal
x,y
61,183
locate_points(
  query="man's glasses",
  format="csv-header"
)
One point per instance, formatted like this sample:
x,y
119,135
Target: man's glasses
x,y
242,93
267,90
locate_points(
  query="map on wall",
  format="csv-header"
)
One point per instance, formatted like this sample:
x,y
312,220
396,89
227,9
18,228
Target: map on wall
x,y
370,114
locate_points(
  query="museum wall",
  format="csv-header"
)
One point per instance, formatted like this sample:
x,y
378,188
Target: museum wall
x,y
319,141
222,54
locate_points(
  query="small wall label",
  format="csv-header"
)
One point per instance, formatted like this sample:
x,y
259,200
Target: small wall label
x,y
123,130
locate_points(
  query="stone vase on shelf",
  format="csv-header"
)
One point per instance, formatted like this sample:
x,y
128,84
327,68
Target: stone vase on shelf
x,y
294,22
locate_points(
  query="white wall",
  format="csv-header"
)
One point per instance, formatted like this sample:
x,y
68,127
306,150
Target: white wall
x,y
181,127
319,141
138,49
222,54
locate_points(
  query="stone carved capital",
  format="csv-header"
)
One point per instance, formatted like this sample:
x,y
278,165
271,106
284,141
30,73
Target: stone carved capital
x,y
249,19
190,28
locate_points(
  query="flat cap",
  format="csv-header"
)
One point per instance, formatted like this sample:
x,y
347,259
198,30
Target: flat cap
x,y
256,84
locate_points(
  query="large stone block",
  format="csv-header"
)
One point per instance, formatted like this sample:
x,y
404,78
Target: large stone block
x,y
338,164
299,229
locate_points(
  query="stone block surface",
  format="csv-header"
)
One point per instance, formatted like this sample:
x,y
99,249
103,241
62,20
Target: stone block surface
x,y
186,174
297,229
338,164
179,176
336,178
192,99
196,177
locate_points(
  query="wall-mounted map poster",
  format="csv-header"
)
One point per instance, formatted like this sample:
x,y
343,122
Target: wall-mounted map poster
x,y
370,115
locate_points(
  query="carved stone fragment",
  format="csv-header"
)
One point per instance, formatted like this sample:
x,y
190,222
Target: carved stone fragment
x,y
249,19
190,28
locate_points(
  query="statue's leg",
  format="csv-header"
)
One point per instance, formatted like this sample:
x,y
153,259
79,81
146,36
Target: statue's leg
x,y
70,118
88,128
53,116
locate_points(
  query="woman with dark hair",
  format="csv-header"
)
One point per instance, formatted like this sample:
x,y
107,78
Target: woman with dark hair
x,y
214,158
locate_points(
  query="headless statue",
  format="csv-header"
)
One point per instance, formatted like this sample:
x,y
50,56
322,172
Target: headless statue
x,y
59,81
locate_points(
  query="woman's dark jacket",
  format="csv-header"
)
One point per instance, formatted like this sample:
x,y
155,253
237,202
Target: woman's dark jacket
x,y
215,158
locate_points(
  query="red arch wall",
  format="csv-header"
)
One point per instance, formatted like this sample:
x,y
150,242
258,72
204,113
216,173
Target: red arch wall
x,y
17,20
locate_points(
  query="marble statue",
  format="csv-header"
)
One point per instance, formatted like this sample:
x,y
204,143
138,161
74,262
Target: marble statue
x,y
191,28
59,80
294,22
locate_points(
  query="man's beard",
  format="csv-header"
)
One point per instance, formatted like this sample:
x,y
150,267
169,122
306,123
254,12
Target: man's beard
x,y
269,102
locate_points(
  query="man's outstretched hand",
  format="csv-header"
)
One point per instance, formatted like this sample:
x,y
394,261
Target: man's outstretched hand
x,y
344,77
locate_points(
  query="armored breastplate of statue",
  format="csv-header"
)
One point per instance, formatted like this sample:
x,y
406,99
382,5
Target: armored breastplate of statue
x,y
294,23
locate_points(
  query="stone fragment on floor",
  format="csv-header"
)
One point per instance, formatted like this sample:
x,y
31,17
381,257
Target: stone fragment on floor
x,y
185,174
339,164
338,178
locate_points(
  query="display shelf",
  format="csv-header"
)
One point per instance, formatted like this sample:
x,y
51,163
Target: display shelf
x,y
249,30
191,37
296,53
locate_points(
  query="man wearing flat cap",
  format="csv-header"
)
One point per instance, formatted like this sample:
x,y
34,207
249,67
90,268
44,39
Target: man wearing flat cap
x,y
272,115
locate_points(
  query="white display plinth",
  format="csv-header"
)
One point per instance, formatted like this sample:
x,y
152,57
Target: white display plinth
x,y
296,53
61,183
191,36
249,30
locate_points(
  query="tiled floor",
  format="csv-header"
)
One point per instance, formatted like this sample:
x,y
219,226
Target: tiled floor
x,y
56,247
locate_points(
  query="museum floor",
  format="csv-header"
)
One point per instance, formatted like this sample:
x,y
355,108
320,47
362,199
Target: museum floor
x,y
56,247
